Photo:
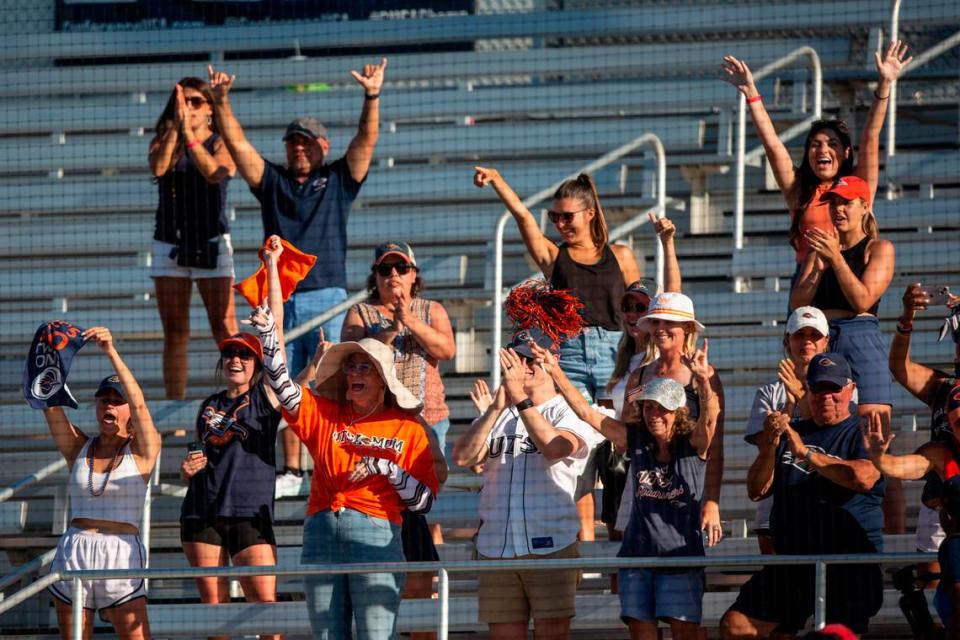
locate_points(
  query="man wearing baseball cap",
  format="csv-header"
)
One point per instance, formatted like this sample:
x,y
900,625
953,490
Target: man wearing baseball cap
x,y
307,201
826,500
532,447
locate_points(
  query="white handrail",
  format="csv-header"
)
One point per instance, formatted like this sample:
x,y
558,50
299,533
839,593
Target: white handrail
x,y
892,105
742,155
644,139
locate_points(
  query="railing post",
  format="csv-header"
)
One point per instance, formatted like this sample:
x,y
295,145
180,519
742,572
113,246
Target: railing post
x,y
820,596
77,609
443,595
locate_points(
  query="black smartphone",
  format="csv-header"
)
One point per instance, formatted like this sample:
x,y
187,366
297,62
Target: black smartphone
x,y
195,448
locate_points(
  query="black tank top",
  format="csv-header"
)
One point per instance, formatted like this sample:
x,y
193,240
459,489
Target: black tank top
x,y
829,295
598,286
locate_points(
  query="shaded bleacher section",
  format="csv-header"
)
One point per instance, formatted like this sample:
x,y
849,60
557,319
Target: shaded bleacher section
x,y
77,203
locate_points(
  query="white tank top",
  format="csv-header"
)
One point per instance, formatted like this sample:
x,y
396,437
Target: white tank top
x,y
123,497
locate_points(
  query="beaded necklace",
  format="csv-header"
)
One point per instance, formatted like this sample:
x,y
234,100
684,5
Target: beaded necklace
x,y
113,465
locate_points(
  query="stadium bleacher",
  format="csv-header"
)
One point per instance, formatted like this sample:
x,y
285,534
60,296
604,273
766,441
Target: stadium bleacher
x,y
77,203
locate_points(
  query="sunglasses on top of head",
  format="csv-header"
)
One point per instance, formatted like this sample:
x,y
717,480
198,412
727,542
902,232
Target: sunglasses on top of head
x,y
565,216
384,269
233,352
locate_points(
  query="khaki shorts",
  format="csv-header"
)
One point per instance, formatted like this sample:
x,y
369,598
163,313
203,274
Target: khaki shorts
x,y
515,596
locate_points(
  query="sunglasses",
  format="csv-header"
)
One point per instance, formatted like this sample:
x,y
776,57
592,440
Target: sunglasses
x,y
825,388
566,216
233,352
628,306
363,368
385,269
195,101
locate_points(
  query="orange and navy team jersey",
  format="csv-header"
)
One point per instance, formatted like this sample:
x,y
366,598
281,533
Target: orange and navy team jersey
x,y
336,449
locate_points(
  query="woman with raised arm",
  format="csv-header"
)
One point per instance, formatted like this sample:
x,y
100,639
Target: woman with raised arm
x,y
597,273
371,461
227,514
191,237
827,150
107,486
668,460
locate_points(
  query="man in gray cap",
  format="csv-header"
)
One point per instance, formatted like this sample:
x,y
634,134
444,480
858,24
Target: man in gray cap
x,y
306,203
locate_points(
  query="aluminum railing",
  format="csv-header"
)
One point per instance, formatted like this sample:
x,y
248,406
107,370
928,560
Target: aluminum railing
x,y
742,156
471,567
646,139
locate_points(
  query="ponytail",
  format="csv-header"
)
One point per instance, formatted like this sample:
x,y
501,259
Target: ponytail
x,y
584,189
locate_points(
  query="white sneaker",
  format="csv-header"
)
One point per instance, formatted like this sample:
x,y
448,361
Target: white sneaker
x,y
288,484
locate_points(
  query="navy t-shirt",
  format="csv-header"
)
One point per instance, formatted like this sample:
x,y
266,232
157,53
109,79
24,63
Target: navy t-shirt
x,y
811,514
665,517
312,216
239,438
949,558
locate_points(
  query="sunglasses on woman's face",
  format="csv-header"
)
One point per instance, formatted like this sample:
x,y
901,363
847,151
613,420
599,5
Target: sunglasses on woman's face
x,y
363,368
565,216
233,352
384,269
195,101
628,306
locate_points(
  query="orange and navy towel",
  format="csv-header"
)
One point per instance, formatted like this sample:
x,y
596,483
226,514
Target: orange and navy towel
x,y
48,363
293,267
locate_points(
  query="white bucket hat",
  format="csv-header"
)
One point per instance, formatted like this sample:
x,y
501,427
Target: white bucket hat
x,y
671,306
330,379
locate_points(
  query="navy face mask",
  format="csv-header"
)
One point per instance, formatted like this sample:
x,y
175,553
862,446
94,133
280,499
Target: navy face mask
x,y
48,363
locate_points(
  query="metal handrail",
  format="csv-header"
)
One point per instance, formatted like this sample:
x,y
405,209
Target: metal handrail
x,y
742,155
645,139
820,562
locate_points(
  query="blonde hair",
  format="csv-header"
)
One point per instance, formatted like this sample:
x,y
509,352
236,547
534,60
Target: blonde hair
x,y
584,189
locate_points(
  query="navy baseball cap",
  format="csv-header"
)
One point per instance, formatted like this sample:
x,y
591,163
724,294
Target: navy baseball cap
x,y
829,367
108,383
401,249
642,287
309,127
521,341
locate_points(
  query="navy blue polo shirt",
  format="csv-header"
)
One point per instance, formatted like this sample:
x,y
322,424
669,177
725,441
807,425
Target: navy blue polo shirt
x,y
811,514
312,216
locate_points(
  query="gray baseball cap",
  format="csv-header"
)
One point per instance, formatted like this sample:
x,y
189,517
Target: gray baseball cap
x,y
309,127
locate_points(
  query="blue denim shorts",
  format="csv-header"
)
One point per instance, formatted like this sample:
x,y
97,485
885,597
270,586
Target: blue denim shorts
x,y
588,360
647,595
304,306
859,341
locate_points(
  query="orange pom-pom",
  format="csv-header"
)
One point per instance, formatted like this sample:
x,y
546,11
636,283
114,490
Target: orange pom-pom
x,y
556,312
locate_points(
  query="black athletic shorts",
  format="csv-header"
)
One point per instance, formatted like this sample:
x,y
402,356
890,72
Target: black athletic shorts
x,y
234,534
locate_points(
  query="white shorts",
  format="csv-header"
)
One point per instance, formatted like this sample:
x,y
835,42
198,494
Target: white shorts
x,y
79,549
761,521
929,532
163,262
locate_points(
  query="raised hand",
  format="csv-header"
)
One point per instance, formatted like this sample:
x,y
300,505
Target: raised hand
x,y
791,381
513,370
372,77
543,357
874,441
481,396
272,249
737,73
101,336
484,175
774,426
891,65
220,83
180,106
322,346
663,227
825,243
914,299
261,319
698,363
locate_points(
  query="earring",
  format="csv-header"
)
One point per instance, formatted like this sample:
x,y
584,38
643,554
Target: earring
x,y
209,121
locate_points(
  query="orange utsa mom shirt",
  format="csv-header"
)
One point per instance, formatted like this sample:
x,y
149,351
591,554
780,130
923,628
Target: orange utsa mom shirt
x,y
336,448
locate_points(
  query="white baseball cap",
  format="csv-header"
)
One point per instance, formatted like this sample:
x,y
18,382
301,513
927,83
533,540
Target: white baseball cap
x,y
808,317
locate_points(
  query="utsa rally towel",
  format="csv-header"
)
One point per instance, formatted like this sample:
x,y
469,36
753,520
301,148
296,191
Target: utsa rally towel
x,y
48,363
292,266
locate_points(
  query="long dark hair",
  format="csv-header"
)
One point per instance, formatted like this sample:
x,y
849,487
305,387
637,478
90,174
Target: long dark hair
x,y
584,189
807,181
167,119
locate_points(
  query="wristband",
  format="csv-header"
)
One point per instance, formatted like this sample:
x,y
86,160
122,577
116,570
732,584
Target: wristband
x,y
524,404
367,96
193,143
904,329
756,98
879,97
